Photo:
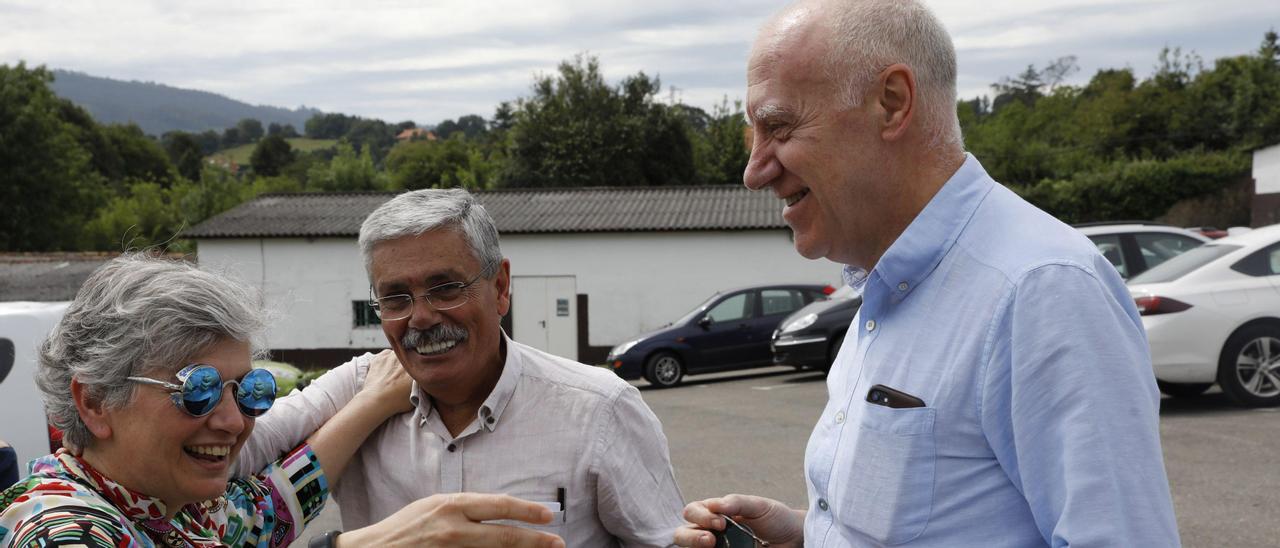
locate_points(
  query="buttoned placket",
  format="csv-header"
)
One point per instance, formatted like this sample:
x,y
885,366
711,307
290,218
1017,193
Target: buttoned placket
x,y
452,477
868,322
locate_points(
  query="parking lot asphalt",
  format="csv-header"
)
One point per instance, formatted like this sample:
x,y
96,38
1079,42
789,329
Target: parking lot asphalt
x,y
746,432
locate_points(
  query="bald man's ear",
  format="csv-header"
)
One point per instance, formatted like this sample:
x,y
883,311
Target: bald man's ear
x,y
898,100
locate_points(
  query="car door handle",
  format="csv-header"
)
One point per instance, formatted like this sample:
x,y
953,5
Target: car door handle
x,y
543,323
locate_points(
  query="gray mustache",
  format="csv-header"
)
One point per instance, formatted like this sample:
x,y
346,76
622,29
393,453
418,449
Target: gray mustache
x,y
438,333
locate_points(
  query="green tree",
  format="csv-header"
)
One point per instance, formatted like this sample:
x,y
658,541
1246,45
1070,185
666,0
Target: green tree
x,y
453,162
576,130
472,126
47,182
271,155
348,171
720,150
250,129
185,153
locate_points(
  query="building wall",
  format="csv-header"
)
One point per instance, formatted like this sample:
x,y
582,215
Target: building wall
x,y
1266,176
1266,169
637,282
633,282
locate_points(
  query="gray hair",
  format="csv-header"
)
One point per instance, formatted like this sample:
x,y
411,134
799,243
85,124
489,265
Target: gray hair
x,y
134,316
870,35
414,213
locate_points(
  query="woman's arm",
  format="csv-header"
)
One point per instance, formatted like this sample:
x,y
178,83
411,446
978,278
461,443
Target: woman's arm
x,y
272,508
385,394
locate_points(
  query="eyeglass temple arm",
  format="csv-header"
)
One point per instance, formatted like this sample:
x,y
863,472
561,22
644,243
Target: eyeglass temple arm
x,y
145,380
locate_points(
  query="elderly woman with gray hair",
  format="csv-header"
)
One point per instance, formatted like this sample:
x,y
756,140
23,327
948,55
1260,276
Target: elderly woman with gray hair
x,y
136,375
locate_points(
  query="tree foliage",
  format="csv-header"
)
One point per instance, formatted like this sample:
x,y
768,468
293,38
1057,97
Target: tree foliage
x,y
1120,147
576,130
271,155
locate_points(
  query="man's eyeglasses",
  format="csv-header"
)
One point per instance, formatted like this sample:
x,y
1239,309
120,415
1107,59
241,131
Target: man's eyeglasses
x,y
446,296
201,387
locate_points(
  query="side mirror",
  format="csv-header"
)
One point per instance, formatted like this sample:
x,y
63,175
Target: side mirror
x,y
705,322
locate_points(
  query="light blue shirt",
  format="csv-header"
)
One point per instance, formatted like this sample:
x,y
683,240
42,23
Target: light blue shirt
x,y
1041,425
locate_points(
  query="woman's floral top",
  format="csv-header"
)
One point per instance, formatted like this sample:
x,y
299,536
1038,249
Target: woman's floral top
x,y
65,502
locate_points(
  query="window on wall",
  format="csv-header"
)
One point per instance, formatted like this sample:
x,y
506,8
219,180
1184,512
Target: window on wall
x,y
364,315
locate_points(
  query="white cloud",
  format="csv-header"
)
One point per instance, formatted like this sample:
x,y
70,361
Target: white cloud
x,y
426,60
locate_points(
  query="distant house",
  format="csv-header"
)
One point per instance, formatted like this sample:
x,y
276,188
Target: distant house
x,y
416,134
225,162
591,267
46,277
1266,181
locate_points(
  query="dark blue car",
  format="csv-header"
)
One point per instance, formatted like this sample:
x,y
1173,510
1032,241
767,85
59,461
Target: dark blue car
x,y
731,330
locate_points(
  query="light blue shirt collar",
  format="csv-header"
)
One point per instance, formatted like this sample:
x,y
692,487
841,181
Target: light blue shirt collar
x,y
919,249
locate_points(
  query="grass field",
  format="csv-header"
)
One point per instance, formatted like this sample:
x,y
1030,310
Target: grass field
x,y
241,154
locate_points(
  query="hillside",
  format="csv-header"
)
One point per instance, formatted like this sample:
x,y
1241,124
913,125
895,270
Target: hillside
x,y
158,108
242,153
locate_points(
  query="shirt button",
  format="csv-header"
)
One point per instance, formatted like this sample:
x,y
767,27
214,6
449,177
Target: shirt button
x,y
822,503
452,447
840,417
871,325
489,420
903,286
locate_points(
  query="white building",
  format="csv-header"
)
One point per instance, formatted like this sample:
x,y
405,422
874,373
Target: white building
x,y
591,267
1266,190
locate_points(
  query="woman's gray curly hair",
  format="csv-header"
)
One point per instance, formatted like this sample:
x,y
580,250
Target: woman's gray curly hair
x,y
134,316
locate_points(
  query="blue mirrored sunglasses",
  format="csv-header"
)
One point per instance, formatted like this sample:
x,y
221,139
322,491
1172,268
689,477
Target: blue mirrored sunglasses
x,y
200,390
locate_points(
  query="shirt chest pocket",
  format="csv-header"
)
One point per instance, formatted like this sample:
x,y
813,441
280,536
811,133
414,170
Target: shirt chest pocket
x,y
889,494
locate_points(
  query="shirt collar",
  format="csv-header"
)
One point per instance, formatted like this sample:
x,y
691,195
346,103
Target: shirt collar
x,y
919,249
135,505
490,411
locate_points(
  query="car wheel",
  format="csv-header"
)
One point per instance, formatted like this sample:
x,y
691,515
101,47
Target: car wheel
x,y
836,343
663,369
1183,389
1249,369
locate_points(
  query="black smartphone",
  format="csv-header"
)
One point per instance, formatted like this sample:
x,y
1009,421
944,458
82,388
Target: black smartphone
x,y
889,397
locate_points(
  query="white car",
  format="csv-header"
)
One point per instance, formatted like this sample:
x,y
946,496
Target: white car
x,y
1133,247
23,326
1212,315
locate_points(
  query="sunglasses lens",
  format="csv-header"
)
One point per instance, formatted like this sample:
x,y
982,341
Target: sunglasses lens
x,y
201,391
256,393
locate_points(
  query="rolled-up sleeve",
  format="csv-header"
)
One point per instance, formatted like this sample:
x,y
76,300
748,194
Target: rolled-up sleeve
x,y
1071,410
272,508
296,416
638,499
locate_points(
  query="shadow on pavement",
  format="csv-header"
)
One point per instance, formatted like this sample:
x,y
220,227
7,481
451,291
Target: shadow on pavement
x,y
731,376
1204,404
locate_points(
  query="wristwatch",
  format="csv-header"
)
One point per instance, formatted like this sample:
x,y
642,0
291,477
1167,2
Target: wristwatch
x,y
327,539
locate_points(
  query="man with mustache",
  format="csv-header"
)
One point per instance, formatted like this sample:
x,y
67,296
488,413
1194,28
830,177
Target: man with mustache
x,y
492,415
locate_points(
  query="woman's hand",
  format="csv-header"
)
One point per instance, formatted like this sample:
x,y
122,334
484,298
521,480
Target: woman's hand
x,y
456,520
388,384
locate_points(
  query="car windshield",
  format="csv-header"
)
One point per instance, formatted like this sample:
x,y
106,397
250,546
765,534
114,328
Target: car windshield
x,y
1183,264
697,311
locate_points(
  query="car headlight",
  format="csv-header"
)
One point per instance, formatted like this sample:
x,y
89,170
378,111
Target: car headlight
x,y
800,323
621,349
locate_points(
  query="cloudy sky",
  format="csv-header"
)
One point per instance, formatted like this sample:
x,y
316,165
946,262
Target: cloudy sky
x,y
426,60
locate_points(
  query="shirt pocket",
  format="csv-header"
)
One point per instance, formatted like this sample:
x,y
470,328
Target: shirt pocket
x,y
889,496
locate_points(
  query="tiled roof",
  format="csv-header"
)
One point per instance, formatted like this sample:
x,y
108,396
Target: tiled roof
x,y
46,277
599,209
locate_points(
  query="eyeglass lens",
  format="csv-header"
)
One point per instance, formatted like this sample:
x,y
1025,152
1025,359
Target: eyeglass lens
x,y
202,391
